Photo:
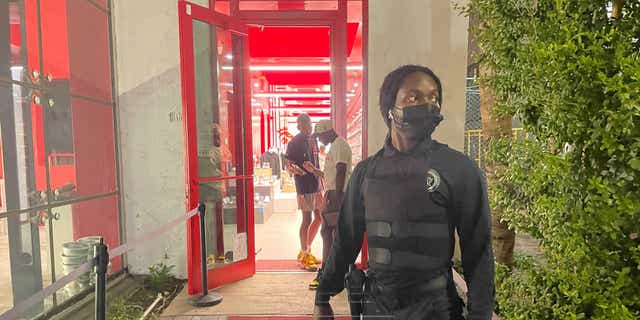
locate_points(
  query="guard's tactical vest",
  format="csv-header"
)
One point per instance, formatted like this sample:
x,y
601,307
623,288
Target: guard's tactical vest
x,y
406,215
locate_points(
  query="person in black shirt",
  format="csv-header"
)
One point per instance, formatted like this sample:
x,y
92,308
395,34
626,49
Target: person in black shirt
x,y
410,198
304,148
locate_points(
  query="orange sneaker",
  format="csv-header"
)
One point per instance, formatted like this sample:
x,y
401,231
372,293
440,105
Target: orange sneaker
x,y
308,264
313,258
300,256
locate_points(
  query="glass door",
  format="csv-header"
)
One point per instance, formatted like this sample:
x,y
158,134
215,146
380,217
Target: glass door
x,y
216,117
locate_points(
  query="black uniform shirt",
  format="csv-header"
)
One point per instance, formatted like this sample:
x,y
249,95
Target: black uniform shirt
x,y
470,217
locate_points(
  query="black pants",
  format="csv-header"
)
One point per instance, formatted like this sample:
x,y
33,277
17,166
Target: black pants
x,y
434,306
440,304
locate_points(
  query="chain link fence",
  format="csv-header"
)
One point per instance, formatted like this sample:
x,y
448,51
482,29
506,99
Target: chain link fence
x,y
473,146
473,123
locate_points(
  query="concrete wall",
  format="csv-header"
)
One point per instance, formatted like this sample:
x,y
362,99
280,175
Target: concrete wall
x,y
147,68
425,32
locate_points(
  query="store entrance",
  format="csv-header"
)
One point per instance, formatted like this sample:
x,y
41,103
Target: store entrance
x,y
289,57
290,75
299,64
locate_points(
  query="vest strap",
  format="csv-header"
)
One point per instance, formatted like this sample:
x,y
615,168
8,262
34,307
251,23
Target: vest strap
x,y
395,229
404,259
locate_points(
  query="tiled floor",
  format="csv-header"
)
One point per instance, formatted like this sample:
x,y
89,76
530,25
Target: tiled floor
x,y
265,294
278,238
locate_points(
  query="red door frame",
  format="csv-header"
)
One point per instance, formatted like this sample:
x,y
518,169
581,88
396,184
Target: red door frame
x,y
337,21
246,268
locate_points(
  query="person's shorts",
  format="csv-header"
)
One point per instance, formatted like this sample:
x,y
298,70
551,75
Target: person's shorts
x,y
310,202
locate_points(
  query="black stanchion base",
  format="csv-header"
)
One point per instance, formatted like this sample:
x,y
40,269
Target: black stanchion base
x,y
209,300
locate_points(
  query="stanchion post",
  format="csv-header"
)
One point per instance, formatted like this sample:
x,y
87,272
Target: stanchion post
x,y
207,299
203,248
102,261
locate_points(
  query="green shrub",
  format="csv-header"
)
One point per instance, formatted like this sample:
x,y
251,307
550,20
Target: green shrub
x,y
572,76
160,277
121,310
520,290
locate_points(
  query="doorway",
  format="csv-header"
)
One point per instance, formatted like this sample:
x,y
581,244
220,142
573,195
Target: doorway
x,y
291,74
296,56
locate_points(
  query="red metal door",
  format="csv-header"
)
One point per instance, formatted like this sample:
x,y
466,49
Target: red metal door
x,y
216,117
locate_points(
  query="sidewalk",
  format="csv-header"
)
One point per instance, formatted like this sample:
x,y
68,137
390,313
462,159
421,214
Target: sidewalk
x,y
266,294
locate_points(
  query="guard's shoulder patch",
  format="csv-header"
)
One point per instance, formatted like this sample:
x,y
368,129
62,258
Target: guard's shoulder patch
x,y
433,180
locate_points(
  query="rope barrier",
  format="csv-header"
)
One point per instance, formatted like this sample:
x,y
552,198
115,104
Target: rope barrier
x,y
101,263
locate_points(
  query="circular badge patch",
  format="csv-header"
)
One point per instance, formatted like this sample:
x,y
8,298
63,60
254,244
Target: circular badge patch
x,y
433,180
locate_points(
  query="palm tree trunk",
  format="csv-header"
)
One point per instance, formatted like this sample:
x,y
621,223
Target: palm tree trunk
x,y
616,13
494,127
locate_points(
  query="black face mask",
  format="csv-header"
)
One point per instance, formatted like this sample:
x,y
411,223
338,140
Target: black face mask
x,y
416,122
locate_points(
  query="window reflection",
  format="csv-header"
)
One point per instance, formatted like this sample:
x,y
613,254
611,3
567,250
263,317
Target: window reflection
x,y
19,40
75,46
57,148
219,136
225,222
76,229
23,160
354,83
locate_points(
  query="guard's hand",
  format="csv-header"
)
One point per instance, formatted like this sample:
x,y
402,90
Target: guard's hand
x,y
322,312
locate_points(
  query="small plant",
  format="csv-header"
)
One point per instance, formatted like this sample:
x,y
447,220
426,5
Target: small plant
x,y
121,310
160,277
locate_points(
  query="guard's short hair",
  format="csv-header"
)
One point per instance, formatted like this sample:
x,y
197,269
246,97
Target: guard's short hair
x,y
392,83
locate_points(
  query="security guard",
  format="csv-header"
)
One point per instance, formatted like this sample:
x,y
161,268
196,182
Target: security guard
x,y
410,198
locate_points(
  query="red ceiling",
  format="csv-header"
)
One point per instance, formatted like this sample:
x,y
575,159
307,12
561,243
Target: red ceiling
x,y
297,77
298,46
304,98
304,106
298,42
